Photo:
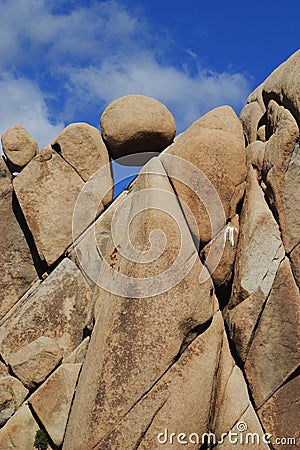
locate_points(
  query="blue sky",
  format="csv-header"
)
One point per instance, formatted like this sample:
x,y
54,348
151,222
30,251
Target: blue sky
x,y
64,61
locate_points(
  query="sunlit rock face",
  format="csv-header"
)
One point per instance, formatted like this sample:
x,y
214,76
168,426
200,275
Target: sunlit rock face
x,y
171,315
135,128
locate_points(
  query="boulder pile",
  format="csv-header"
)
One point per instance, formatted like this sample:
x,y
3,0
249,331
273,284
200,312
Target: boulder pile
x,y
169,316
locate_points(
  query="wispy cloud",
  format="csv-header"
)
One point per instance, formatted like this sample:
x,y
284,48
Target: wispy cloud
x,y
23,102
65,61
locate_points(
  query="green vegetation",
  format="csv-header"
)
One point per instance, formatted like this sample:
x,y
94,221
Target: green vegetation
x,y
41,440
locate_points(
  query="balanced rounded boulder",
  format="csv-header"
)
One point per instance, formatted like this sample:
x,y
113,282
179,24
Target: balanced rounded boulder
x,y
19,147
137,124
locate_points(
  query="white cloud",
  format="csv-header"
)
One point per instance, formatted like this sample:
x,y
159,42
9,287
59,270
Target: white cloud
x,y
188,97
86,54
23,102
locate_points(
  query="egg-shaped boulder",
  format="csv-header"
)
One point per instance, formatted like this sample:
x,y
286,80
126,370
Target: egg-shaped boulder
x,y
136,124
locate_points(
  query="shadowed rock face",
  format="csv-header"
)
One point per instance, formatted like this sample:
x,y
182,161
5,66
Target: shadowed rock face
x,y
170,317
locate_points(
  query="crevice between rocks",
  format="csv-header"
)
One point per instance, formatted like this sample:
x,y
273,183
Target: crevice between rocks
x,y
191,336
56,147
291,377
140,440
72,402
41,427
39,264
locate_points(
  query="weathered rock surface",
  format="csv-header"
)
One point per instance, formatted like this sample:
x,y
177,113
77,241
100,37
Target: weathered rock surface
x,y
137,124
19,147
92,246
34,362
252,437
221,263
19,432
281,171
255,153
213,146
78,355
259,245
280,414
250,117
18,271
52,401
82,146
128,352
275,351
12,395
3,369
131,302
295,261
59,309
47,190
259,254
5,175
283,85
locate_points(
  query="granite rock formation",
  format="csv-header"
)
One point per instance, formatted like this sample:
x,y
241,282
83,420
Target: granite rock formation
x,y
170,316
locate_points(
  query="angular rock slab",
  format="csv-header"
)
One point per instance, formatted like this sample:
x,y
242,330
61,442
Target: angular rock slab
x,y
259,245
280,414
135,124
250,117
259,254
275,351
225,244
252,437
174,400
59,309
18,272
136,340
190,387
12,395
214,146
34,362
47,190
82,146
19,147
19,432
281,172
52,401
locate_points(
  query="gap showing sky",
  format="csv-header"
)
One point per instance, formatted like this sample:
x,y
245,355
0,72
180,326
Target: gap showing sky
x,y
65,61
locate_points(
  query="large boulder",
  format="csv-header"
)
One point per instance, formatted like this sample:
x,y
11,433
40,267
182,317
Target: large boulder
x,y
59,308
137,124
82,146
51,402
135,340
207,167
34,362
19,147
47,190
18,271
